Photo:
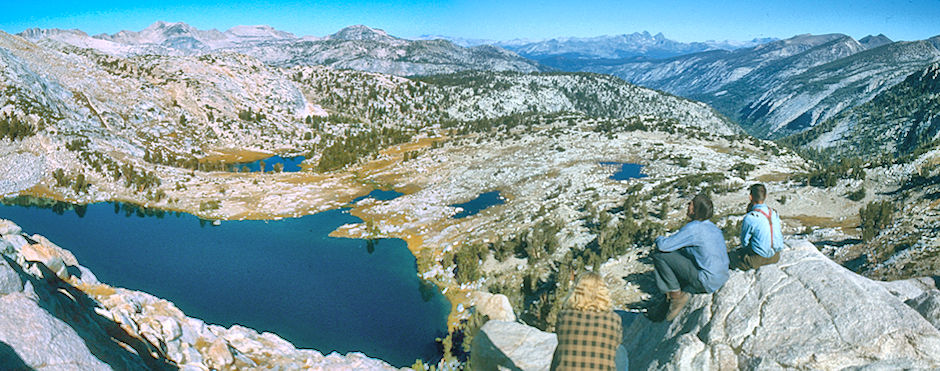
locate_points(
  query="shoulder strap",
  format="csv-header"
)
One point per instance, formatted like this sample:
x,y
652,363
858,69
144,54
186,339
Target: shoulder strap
x,y
770,223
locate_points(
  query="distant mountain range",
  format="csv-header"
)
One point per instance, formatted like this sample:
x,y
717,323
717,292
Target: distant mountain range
x,y
772,88
572,53
232,100
355,47
787,86
899,120
368,49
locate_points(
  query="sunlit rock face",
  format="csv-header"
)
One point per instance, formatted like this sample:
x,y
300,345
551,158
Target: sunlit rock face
x,y
805,311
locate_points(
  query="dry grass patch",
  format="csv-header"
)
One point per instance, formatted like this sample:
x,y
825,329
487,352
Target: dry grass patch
x,y
720,149
232,155
456,297
773,177
42,191
846,223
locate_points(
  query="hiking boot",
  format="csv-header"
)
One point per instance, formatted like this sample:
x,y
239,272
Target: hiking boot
x,y
677,300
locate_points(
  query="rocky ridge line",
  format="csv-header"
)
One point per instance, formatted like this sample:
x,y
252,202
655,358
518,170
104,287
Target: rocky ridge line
x,y
354,47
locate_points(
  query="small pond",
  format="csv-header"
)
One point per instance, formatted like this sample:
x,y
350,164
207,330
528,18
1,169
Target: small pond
x,y
627,170
483,201
291,164
858,264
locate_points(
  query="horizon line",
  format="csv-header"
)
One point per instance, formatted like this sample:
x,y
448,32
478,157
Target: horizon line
x,y
425,35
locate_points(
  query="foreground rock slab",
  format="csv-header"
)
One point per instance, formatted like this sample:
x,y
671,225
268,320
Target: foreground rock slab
x,y
805,312
513,346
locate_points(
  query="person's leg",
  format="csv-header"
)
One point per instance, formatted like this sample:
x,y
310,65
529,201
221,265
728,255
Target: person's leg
x,y
739,259
674,273
664,272
754,261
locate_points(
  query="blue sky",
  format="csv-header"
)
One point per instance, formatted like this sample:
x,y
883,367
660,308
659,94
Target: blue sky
x,y
502,20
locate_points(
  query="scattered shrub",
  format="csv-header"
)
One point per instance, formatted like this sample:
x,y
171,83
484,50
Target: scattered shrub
x,y
856,195
875,216
741,169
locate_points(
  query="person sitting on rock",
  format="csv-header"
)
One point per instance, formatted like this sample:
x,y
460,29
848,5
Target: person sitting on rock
x,y
588,330
692,260
761,240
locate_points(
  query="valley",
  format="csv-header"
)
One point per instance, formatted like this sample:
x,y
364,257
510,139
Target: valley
x,y
150,120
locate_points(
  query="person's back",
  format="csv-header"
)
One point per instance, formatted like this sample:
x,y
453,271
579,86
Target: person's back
x,y
761,237
705,243
588,330
761,231
586,340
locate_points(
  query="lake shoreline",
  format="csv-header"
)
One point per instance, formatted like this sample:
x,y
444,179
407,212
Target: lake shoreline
x,y
135,210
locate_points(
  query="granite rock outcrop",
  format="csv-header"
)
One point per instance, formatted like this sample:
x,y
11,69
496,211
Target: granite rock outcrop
x,y
805,312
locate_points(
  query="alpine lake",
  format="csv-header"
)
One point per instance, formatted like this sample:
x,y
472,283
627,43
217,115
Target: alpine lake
x,y
282,276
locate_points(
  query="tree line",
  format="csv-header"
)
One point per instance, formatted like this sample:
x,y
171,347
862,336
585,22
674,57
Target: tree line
x,y
15,128
353,147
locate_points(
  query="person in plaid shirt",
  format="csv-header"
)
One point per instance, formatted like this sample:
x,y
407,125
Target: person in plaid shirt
x,y
589,332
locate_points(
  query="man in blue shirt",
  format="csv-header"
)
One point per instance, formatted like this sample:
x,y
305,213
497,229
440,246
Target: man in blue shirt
x,y
761,240
693,260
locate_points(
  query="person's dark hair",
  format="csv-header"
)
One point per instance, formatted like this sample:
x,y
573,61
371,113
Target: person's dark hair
x,y
758,192
701,207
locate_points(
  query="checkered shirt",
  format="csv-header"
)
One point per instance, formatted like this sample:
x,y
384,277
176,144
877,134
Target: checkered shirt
x,y
586,340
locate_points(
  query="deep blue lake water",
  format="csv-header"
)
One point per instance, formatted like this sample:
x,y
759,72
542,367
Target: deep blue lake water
x,y
483,201
285,276
627,170
291,164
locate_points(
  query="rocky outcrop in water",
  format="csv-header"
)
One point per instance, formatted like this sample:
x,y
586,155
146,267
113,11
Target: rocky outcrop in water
x,y
805,312
54,314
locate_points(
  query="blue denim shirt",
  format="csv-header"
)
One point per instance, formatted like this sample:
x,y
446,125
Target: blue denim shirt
x,y
755,231
704,242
